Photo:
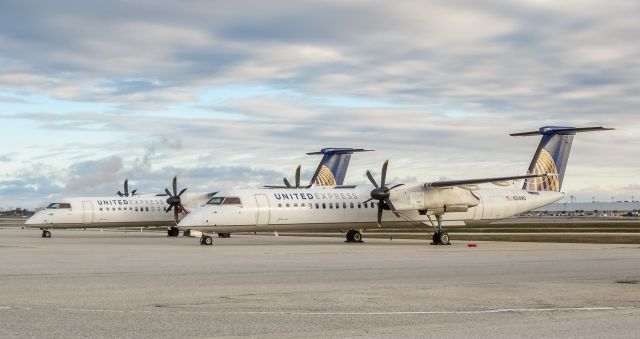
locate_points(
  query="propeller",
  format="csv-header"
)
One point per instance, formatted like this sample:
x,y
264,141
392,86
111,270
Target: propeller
x,y
174,200
287,184
381,192
297,178
126,190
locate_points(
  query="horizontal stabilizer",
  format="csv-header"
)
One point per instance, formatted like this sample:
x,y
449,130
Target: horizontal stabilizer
x,y
452,183
549,130
340,151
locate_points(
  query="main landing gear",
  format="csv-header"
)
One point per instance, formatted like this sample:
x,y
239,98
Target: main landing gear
x,y
46,234
354,236
173,231
206,240
440,237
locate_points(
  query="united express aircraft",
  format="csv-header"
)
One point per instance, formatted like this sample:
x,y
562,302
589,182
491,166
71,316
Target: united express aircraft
x,y
143,210
351,209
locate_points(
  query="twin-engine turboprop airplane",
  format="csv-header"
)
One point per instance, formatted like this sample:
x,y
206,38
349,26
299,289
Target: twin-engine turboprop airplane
x,y
142,210
354,208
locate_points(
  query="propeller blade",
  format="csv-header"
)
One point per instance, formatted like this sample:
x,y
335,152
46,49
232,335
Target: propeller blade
x,y
175,215
366,201
168,209
389,204
380,209
126,187
184,189
394,186
286,182
298,176
373,181
184,210
384,173
120,194
175,186
133,192
166,190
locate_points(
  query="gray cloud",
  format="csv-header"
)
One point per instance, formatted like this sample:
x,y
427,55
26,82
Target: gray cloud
x,y
434,86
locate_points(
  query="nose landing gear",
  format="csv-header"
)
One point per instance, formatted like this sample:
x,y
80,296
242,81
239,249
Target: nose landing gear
x,y
46,234
206,240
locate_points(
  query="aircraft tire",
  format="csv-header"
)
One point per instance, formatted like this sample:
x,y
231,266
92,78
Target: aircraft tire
x,y
436,238
207,240
356,236
46,234
173,232
443,238
349,236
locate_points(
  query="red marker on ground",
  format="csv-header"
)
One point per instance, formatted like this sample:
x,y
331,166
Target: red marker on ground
x,y
472,245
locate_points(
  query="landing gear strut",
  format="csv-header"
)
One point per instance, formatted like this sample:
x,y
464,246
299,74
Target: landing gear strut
x,y
173,231
224,235
440,237
46,234
354,236
206,240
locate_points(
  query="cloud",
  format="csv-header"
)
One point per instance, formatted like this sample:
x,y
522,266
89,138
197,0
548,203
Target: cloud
x,y
106,91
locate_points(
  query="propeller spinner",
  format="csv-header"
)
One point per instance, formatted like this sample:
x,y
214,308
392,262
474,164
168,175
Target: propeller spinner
x,y
381,192
126,190
174,200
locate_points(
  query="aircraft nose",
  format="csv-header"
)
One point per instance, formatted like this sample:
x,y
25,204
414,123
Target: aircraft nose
x,y
36,219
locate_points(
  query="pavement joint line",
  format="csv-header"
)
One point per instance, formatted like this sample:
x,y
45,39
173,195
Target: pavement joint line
x,y
487,311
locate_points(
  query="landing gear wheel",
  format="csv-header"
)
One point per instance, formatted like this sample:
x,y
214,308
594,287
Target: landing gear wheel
x,y
354,236
357,236
46,234
349,236
206,240
441,238
173,232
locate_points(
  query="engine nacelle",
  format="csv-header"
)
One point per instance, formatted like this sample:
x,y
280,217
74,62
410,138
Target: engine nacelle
x,y
450,199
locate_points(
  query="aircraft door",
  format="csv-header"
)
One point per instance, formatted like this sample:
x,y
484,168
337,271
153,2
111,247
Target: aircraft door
x,y
87,212
263,209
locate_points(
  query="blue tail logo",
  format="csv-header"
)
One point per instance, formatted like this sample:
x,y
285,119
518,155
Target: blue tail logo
x,y
552,156
334,165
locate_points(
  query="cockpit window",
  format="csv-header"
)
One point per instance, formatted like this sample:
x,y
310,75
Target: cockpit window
x,y
215,201
232,201
224,201
58,205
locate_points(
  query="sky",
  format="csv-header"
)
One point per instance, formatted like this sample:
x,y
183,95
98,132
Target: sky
x,y
232,94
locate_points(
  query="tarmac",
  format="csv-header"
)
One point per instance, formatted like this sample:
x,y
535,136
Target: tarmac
x,y
81,284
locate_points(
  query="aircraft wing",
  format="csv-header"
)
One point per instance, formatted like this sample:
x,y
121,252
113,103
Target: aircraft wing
x,y
452,183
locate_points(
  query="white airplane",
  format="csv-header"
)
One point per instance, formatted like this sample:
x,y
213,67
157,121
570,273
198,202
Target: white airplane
x,y
143,210
352,209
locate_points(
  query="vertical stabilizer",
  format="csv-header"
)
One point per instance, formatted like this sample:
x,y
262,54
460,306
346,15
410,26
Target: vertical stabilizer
x,y
552,156
333,167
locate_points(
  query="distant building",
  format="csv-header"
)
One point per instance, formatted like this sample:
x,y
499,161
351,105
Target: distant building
x,y
631,208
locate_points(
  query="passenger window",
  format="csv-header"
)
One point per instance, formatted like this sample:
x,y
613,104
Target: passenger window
x,y
279,205
295,204
119,209
324,206
147,208
101,208
359,206
136,208
330,205
287,205
351,204
337,205
317,206
344,205
302,205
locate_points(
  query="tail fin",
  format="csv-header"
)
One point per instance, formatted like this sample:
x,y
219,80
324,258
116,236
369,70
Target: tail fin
x,y
552,156
333,166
